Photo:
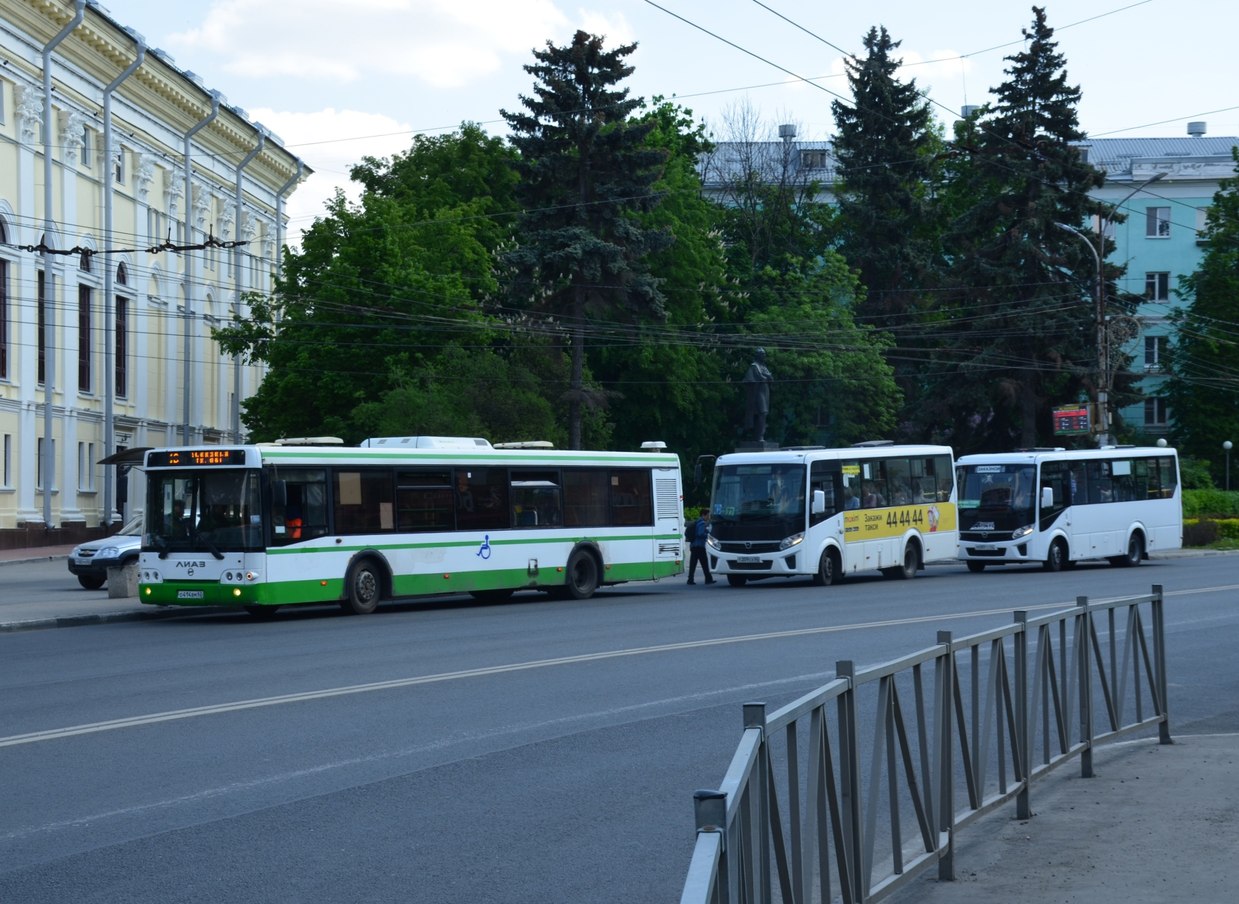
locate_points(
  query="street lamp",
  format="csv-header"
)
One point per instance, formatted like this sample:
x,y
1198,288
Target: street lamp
x,y
1226,447
1099,314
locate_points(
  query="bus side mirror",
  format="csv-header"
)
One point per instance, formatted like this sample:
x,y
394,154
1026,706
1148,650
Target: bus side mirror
x,y
1047,497
819,502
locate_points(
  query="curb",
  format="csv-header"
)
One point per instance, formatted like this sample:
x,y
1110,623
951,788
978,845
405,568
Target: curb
x,y
103,618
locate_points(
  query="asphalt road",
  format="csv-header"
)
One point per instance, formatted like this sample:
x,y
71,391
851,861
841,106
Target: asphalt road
x,y
455,752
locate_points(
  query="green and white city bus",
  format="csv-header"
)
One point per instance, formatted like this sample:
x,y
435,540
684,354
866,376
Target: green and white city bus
x,y
261,526
827,513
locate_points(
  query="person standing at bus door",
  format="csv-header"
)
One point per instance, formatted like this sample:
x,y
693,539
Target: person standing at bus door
x,y
697,549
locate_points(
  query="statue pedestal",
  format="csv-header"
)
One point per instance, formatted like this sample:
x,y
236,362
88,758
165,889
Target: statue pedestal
x,y
754,446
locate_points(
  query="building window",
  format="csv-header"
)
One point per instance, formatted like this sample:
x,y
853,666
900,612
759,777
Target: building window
x,y
120,166
122,336
1155,413
815,159
1202,225
38,475
88,153
41,288
85,469
1157,223
1157,287
85,336
4,310
8,461
1154,352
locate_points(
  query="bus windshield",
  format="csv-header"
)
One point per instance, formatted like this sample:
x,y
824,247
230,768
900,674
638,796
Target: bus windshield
x,y
758,492
1002,495
210,510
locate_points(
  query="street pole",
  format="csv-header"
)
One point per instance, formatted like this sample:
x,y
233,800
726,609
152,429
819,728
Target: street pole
x,y
1103,352
1226,447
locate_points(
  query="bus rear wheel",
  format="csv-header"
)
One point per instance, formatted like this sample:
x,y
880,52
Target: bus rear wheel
x,y
1135,552
1056,558
911,563
582,577
828,569
262,613
364,586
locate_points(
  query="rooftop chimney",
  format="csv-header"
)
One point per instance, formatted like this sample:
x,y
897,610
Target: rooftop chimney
x,y
787,132
1196,129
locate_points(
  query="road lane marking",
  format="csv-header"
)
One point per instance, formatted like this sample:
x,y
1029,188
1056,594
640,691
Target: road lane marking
x,y
54,734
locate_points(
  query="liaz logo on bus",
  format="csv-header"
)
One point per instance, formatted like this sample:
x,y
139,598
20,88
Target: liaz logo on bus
x,y
191,564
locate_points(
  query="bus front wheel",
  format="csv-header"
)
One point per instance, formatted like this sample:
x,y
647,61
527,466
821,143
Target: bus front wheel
x,y
736,580
974,566
364,587
828,569
1056,558
582,577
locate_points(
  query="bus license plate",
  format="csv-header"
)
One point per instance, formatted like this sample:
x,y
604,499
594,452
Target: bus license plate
x,y
749,560
189,594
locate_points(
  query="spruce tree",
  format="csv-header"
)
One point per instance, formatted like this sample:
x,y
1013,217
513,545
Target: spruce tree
x,y
889,154
1023,319
587,173
886,149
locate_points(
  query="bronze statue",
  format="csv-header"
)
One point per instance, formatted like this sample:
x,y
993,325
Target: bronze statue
x,y
757,395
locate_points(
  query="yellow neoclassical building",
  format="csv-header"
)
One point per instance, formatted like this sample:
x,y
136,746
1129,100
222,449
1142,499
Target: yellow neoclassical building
x,y
137,208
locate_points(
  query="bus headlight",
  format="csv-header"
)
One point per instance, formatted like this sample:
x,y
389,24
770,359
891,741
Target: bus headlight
x,y
793,540
1021,532
712,542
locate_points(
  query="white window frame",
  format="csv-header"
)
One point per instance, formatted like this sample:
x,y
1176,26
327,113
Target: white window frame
x,y
1157,223
1157,285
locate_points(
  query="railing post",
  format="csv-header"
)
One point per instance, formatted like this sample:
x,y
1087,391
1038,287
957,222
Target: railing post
x,y
1084,663
849,784
946,767
1159,659
759,838
1023,770
710,812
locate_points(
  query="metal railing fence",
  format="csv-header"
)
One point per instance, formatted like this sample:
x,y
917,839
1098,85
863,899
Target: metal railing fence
x,y
947,734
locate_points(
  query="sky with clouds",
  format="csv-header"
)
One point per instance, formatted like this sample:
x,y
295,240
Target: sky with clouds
x,y
340,80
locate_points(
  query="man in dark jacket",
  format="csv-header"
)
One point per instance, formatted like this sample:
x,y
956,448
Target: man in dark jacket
x,y
697,549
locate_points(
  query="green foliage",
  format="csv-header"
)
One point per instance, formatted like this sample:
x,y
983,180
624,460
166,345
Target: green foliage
x,y
887,150
664,376
379,288
832,384
587,171
1020,328
1195,473
1203,388
1210,502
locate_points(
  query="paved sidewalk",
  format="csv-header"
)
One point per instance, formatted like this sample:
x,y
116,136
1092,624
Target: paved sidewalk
x,y
1156,823
73,606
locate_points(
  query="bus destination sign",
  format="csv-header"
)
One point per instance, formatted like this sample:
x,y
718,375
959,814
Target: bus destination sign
x,y
195,458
